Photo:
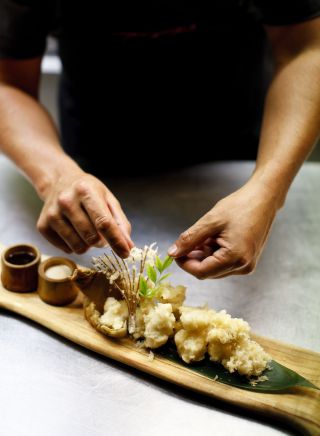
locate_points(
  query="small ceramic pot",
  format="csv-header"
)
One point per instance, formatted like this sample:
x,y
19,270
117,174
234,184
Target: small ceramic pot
x,y
56,291
19,268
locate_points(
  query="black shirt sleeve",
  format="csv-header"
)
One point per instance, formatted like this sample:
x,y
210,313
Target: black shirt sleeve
x,y
24,26
284,12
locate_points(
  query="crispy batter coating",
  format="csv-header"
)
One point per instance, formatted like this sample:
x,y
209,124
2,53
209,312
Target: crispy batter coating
x,y
94,318
159,325
175,295
196,330
226,340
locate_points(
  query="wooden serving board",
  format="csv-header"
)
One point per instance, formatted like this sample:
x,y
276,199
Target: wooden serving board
x,y
298,407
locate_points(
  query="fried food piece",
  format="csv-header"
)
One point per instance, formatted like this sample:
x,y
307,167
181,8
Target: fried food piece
x,y
175,295
145,305
191,345
115,314
226,339
191,339
159,325
94,318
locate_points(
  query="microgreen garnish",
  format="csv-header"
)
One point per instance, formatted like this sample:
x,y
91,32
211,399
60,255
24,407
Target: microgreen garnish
x,y
128,275
148,287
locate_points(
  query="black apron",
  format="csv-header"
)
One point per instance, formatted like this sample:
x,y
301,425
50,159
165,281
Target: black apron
x,y
180,83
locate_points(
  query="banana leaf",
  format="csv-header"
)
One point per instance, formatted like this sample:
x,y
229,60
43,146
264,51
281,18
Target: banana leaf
x,y
280,378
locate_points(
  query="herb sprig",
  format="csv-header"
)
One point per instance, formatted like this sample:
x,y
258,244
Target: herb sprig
x,y
155,276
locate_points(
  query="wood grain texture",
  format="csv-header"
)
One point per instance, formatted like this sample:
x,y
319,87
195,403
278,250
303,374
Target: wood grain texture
x,y
298,407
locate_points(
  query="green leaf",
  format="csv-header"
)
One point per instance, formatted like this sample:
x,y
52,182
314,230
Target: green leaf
x,y
167,262
150,293
164,277
152,273
159,264
143,286
280,378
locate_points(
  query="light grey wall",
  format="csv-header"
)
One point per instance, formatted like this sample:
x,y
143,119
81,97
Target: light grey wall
x,y
48,93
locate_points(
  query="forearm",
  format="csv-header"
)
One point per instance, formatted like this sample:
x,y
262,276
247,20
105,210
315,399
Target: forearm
x,y
30,139
291,123
230,238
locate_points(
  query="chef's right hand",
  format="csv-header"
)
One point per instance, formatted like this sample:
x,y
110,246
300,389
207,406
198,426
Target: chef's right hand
x,y
79,212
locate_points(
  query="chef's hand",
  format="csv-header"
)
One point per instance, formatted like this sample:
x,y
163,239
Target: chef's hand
x,y
230,237
79,212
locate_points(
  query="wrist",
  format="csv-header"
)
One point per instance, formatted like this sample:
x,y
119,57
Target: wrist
x,y
271,186
47,179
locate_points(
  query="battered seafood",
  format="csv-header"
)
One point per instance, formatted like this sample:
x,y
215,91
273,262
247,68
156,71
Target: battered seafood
x,y
155,310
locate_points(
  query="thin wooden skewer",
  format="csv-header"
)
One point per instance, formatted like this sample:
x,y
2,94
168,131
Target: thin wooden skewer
x,y
129,280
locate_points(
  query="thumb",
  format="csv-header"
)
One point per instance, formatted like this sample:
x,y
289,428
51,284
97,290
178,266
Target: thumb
x,y
191,238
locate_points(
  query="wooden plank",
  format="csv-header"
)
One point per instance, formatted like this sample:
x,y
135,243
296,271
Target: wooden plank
x,y
299,407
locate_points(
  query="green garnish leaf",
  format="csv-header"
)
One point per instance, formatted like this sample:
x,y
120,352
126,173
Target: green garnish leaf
x,y
164,277
159,265
152,273
280,377
143,286
150,292
167,262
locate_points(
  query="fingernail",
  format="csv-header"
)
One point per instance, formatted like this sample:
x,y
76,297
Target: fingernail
x,y
172,250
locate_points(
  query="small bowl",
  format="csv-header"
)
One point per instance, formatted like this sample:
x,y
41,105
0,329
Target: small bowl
x,y
56,291
19,268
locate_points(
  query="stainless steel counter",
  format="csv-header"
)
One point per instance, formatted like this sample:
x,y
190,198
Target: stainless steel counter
x,y
50,387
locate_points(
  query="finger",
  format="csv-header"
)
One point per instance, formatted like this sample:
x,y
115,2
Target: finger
x,y
55,240
106,225
211,243
198,233
121,219
69,235
81,222
196,254
200,252
244,270
230,272
220,262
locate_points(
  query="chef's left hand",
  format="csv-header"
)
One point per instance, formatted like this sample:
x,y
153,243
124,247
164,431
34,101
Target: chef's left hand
x,y
230,237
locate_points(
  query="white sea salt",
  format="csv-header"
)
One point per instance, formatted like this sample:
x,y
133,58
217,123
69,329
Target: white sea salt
x,y
58,272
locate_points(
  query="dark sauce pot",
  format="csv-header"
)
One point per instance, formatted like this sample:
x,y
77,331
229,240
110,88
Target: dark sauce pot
x,y
19,268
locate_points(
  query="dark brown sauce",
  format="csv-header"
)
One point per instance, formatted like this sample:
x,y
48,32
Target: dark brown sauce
x,y
21,257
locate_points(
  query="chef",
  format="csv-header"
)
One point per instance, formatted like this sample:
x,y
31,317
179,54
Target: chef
x,y
208,80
